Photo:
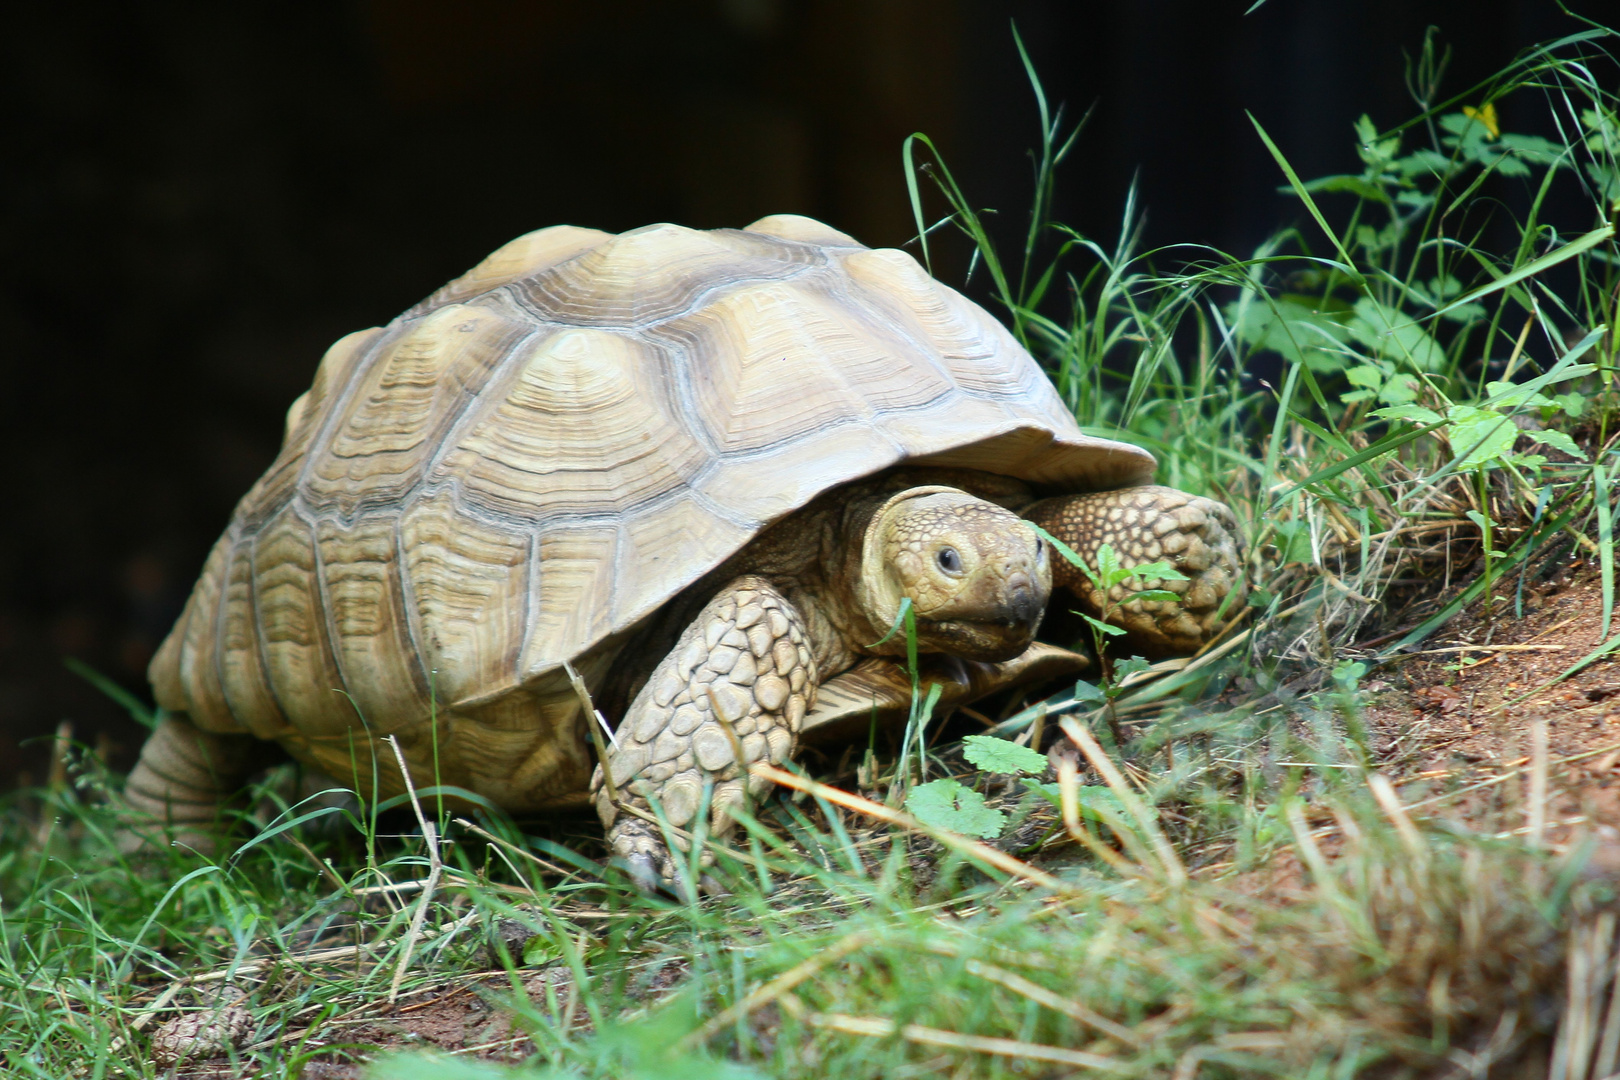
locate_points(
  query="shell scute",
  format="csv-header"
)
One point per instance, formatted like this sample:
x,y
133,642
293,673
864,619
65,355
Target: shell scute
x,y
369,624
303,671
580,429
248,695
404,405
468,586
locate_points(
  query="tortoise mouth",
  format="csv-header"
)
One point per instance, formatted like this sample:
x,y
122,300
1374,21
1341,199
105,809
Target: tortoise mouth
x,y
992,640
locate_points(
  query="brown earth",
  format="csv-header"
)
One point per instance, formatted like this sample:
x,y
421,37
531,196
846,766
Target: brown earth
x,y
1457,718
1454,722
467,1015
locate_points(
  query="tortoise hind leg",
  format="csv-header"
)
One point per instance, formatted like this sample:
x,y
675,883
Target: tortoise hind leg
x,y
182,777
748,655
1198,536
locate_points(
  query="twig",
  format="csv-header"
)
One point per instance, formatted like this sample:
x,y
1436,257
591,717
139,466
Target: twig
x,y
1489,649
1390,803
775,988
156,1007
507,844
591,714
1068,797
900,819
435,869
882,1028
1504,777
1538,782
1174,872
1042,996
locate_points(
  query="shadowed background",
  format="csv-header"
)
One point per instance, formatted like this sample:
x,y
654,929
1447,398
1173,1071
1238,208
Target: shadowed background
x,y
198,198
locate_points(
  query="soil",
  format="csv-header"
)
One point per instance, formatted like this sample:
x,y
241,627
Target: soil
x,y
1463,708
1454,722
461,1015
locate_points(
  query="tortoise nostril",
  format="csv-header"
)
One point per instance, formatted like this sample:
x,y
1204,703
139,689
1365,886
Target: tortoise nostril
x,y
1023,601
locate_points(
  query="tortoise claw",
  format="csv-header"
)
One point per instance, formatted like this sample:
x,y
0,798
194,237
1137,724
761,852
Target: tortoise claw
x,y
645,874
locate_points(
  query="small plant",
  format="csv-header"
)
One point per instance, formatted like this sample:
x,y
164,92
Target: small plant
x,y
1108,575
950,804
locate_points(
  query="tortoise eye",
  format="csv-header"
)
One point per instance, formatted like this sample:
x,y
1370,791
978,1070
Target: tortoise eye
x,y
949,560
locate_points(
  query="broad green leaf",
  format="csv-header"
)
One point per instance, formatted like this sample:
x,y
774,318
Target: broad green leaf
x,y
1347,673
1090,797
1155,596
1294,542
1356,185
1108,628
947,804
1163,570
995,755
1368,375
1508,395
1108,568
1124,669
1296,328
1084,691
1479,435
1400,390
1572,403
1534,149
1409,412
1392,334
1424,161
1559,440
538,950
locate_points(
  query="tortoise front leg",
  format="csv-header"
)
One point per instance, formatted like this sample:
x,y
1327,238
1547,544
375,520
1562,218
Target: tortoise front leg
x,y
182,776
1198,536
747,654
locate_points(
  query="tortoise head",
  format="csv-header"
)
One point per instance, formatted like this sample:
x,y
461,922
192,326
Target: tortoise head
x,y
977,576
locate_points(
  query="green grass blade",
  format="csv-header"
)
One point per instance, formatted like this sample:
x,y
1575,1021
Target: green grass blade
x,y
1310,204
1605,527
132,704
1522,550
1383,446
1531,269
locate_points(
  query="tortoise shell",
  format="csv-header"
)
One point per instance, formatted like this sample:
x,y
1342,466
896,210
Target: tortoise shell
x,y
521,469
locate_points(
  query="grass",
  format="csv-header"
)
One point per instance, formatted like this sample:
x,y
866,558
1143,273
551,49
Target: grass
x,y
1413,415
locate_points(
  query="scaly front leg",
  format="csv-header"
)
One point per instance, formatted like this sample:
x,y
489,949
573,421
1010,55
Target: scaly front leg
x,y
1198,536
748,654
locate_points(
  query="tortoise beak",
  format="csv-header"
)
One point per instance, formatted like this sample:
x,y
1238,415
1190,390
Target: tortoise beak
x,y
1025,603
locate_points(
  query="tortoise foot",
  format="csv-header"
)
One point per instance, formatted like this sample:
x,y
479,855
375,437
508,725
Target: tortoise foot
x,y
646,858
1199,537
734,691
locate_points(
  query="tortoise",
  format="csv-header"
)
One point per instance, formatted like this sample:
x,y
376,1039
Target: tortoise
x,y
703,469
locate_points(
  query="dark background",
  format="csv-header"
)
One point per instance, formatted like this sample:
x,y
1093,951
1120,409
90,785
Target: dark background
x,y
196,198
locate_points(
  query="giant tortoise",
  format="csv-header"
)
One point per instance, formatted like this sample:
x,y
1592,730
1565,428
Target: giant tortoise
x,y
703,468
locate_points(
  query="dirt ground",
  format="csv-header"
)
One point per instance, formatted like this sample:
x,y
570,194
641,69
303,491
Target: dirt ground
x,y
1456,725
1464,707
